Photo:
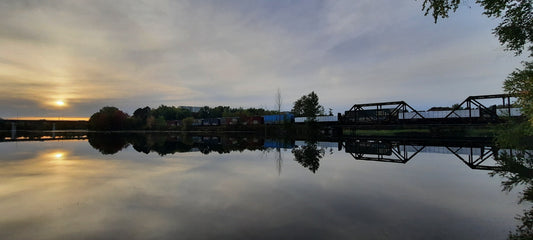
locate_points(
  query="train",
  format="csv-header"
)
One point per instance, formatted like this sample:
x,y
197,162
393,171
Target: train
x,y
390,115
243,121
361,116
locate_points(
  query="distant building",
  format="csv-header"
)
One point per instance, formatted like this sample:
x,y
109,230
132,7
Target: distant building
x,y
192,109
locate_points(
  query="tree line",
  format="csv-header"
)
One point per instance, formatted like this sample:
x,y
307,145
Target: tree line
x,y
111,118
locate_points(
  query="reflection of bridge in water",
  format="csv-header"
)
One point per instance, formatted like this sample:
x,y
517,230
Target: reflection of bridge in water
x,y
25,136
475,154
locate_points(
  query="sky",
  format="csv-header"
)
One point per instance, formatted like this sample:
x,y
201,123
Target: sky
x,y
134,53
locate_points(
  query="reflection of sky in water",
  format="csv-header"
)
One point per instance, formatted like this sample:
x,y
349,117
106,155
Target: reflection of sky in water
x,y
52,190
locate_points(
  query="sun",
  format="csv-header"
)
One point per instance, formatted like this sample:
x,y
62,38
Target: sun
x,y
60,103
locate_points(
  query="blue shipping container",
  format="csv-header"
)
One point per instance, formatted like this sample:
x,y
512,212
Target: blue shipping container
x,y
278,118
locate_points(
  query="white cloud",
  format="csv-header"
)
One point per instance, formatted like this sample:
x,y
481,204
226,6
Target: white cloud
x,y
238,53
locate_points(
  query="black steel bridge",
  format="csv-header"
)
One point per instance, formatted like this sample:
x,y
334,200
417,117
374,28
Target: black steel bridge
x,y
475,153
470,111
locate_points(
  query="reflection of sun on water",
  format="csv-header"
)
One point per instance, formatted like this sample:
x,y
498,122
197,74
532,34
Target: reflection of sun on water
x,y
57,157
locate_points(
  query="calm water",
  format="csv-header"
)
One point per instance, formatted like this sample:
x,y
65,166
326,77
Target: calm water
x,y
175,187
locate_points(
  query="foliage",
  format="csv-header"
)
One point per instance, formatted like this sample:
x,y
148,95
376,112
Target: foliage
x,y
517,170
107,144
520,84
156,119
515,135
515,31
307,106
187,123
309,155
171,113
160,123
140,117
109,118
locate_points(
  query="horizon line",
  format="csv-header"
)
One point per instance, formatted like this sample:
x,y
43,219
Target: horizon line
x,y
49,118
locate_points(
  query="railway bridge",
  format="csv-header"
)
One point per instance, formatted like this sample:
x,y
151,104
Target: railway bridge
x,y
471,111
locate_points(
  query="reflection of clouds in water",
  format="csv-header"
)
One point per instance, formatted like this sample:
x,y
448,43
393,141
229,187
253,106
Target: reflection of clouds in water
x,y
240,195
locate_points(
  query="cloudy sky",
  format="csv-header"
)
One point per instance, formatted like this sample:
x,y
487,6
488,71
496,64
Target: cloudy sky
x,y
131,54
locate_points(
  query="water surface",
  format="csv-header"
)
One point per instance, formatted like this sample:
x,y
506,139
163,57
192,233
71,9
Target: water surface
x,y
246,188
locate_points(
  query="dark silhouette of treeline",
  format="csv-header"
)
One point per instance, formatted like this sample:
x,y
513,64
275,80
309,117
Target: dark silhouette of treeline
x,y
163,144
112,118
170,143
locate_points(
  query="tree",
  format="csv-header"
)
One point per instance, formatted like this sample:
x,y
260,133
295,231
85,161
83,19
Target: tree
x,y
142,113
108,119
183,113
278,103
309,155
520,83
308,106
204,112
140,117
187,123
515,33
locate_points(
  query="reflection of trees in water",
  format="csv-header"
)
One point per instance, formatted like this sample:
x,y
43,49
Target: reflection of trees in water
x,y
279,161
164,144
309,155
517,169
110,143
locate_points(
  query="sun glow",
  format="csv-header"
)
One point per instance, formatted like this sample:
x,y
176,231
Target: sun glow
x,y
60,103
57,157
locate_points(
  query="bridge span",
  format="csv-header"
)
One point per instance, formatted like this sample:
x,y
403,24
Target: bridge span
x,y
472,110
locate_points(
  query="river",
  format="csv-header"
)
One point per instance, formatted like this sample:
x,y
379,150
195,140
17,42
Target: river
x,y
171,186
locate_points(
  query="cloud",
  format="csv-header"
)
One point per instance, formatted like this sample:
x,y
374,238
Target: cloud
x,y
137,53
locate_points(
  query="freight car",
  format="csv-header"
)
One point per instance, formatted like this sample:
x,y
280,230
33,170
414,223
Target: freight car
x,y
363,116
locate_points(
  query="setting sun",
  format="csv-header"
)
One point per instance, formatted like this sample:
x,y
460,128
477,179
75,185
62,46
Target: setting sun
x,y
60,103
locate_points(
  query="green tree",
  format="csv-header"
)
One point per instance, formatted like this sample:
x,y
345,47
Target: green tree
x,y
515,33
204,112
187,123
167,112
520,83
308,106
160,123
140,117
183,113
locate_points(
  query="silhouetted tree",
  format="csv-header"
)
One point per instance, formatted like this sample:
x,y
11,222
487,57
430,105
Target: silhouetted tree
x,y
109,118
108,143
308,106
309,155
140,116
187,123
